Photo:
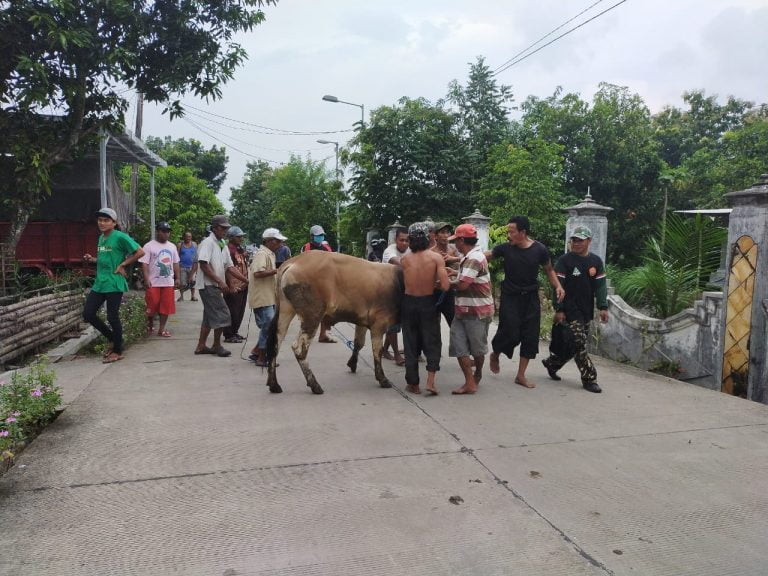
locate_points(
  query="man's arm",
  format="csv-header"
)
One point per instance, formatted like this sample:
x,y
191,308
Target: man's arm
x,y
443,282
554,282
176,275
208,271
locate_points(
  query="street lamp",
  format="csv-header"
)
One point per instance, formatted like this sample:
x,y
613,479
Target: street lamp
x,y
329,98
338,191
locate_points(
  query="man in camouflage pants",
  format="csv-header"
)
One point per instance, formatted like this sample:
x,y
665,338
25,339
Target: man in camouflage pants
x,y
582,276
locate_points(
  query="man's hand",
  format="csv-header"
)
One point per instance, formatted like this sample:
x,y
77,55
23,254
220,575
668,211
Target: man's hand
x,y
603,316
559,293
560,317
120,270
87,258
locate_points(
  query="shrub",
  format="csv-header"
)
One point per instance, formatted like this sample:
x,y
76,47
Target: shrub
x,y
27,403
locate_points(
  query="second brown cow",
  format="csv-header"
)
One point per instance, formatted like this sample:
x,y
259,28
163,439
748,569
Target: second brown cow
x,y
340,288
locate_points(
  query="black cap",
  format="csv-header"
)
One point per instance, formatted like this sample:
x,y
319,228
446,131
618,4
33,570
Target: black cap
x,y
162,225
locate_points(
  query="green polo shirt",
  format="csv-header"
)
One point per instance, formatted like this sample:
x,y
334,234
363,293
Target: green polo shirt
x,y
112,251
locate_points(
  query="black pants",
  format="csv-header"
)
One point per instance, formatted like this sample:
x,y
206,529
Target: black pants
x,y
446,304
420,322
236,303
519,323
93,302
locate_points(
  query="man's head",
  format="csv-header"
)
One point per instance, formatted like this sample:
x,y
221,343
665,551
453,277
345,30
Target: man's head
x,y
431,230
273,239
219,226
317,234
106,219
236,235
442,231
517,230
465,238
401,240
580,240
162,231
418,236
187,236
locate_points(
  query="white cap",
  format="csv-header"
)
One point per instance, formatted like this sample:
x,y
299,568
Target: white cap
x,y
316,230
273,233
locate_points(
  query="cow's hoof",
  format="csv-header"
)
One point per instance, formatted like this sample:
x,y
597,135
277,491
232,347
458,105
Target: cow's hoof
x,y
385,384
352,366
275,388
317,390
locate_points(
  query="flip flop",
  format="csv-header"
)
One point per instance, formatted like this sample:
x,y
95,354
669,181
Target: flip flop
x,y
221,352
205,350
113,357
164,334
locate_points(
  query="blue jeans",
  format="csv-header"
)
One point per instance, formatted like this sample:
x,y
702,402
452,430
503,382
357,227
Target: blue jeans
x,y
263,317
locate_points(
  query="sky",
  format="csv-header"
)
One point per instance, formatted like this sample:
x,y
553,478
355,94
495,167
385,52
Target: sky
x,y
374,53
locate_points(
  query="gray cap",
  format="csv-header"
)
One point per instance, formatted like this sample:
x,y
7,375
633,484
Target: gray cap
x,y
107,213
220,220
235,231
418,229
316,230
582,233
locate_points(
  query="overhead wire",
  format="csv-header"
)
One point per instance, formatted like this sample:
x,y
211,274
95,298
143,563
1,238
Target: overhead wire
x,y
194,125
518,60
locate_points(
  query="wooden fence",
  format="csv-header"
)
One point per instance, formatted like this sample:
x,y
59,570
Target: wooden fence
x,y
28,324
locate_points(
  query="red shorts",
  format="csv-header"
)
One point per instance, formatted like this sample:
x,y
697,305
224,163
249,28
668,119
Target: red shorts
x,y
160,300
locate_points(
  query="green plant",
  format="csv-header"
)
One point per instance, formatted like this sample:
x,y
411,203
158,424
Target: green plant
x,y
669,368
27,403
676,266
133,318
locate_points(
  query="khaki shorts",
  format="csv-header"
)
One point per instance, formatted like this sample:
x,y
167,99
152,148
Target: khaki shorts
x,y
469,336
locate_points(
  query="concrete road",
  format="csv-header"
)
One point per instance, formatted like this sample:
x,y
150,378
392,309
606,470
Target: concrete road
x,y
171,463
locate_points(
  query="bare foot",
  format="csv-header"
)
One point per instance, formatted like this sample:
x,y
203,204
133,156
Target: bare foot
x,y
478,375
524,382
413,389
399,360
387,355
465,390
431,392
494,363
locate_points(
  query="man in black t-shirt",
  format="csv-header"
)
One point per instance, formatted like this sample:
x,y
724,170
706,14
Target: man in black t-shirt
x,y
582,274
520,309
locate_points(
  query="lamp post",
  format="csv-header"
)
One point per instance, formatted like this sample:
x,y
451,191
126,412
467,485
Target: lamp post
x,y
329,98
338,192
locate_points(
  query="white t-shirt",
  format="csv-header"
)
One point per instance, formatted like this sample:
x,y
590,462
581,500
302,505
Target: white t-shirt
x,y
160,257
217,255
391,251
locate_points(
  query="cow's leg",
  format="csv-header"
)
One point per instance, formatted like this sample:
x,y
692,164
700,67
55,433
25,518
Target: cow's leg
x,y
301,349
377,344
284,313
359,343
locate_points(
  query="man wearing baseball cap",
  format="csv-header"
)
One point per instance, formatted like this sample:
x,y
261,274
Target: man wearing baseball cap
x,y
582,275
160,265
214,261
261,288
116,252
473,308
237,295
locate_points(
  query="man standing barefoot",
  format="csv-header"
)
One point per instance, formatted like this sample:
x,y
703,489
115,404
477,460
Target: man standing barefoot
x,y
473,309
422,271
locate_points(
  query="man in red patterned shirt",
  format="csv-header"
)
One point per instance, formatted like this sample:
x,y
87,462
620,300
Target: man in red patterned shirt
x,y
474,308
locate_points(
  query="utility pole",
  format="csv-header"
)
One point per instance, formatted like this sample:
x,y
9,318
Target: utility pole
x,y
135,167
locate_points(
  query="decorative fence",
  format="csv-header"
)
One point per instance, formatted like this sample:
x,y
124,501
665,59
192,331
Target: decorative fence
x,y
38,319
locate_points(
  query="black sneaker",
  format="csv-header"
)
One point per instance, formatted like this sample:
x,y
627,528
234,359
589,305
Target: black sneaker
x,y
552,373
592,387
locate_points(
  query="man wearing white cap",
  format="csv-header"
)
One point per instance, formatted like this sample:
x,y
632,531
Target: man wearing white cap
x,y
261,288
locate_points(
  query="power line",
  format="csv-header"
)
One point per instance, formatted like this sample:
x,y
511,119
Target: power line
x,y
587,9
508,66
229,145
272,131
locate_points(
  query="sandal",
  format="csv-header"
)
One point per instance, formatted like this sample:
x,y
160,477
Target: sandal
x,y
221,352
113,357
150,330
164,334
205,350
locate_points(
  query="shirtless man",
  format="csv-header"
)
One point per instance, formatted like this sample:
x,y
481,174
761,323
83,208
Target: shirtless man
x,y
422,271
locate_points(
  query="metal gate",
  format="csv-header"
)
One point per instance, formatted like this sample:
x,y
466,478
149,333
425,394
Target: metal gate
x,y
738,317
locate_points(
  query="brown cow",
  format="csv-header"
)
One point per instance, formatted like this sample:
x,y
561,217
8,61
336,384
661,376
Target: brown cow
x,y
316,285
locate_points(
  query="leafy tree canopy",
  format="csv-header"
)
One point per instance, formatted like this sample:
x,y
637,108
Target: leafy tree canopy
x,y
251,202
210,165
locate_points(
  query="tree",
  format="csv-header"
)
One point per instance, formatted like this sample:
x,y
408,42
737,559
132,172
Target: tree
x,y
209,165
409,162
526,180
77,57
251,202
181,199
483,114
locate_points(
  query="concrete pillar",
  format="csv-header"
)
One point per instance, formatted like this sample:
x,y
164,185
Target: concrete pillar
x,y
481,223
743,367
392,231
594,216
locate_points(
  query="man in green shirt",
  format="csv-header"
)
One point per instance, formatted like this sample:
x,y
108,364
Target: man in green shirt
x,y
116,251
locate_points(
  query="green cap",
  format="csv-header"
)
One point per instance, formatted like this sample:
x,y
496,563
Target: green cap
x,y
582,233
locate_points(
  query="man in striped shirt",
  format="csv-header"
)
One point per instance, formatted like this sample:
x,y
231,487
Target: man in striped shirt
x,y
474,308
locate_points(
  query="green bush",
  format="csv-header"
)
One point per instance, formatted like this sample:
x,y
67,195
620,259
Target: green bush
x,y
27,403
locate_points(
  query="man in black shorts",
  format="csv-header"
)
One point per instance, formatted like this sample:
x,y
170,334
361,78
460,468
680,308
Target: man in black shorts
x,y
520,309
